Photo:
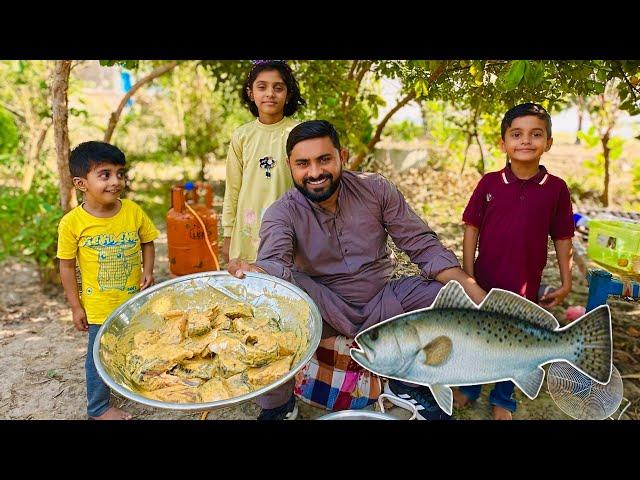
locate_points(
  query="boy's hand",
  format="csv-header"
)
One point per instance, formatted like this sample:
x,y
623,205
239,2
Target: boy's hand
x,y
554,298
79,318
238,266
146,281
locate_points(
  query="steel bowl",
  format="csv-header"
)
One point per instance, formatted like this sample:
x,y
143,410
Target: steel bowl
x,y
269,291
371,414
357,415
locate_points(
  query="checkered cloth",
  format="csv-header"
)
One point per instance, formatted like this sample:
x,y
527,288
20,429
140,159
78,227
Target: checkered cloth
x,y
332,380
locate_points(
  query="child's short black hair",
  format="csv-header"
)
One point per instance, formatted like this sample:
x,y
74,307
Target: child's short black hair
x,y
312,129
295,100
89,154
523,110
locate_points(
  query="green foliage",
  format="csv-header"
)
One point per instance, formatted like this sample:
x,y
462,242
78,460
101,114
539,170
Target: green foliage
x,y
128,64
25,96
636,177
187,114
9,135
405,130
29,223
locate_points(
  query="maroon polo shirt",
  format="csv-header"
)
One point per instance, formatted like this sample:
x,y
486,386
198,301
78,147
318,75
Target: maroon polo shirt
x,y
515,218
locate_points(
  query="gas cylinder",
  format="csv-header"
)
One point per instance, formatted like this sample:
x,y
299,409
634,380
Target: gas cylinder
x,y
188,251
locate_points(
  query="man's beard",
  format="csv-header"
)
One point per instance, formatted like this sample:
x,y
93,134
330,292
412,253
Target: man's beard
x,y
322,196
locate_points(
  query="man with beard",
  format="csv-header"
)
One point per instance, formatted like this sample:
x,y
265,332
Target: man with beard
x,y
328,235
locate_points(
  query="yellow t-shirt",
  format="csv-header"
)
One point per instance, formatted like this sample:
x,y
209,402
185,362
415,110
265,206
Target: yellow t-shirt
x,y
251,187
108,253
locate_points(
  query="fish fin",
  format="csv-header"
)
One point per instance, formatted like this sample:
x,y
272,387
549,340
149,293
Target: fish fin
x,y
444,397
594,359
452,295
513,305
437,350
530,382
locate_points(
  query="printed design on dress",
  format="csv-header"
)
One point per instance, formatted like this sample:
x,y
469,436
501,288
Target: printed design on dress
x,y
117,258
267,163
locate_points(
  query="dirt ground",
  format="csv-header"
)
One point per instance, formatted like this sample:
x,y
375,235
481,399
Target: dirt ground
x,y
42,355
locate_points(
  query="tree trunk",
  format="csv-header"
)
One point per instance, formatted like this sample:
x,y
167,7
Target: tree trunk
x,y
466,150
605,151
480,165
60,108
355,164
579,127
580,105
203,165
115,116
33,159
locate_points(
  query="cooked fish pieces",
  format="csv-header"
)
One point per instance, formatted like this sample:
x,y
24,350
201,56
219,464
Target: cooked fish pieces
x,y
238,385
213,390
145,337
198,324
204,356
255,349
213,312
153,360
174,394
204,369
288,343
227,342
199,345
259,348
164,380
259,377
175,330
229,365
221,322
109,341
248,324
237,310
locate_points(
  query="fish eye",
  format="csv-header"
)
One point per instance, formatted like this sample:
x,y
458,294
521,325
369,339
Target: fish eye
x,y
374,335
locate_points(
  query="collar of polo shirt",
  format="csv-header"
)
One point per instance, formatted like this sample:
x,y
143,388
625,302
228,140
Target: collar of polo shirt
x,y
540,178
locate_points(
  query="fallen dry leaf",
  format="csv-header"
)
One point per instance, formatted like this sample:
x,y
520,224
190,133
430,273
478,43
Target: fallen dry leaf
x,y
633,331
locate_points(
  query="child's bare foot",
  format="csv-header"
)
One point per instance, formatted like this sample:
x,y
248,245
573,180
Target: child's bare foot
x,y
460,400
114,413
499,413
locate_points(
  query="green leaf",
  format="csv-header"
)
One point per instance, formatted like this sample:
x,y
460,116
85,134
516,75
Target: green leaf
x,y
602,75
615,153
514,76
534,74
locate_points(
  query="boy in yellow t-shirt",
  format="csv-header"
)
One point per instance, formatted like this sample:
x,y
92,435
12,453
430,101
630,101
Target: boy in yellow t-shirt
x,y
107,236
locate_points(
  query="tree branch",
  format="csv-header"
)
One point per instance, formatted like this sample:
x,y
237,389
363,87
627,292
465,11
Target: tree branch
x,y
376,137
12,111
115,116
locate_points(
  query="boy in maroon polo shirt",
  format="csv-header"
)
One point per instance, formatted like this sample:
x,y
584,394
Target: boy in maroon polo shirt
x,y
513,212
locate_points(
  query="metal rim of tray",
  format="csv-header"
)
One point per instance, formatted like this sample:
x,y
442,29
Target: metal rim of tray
x,y
357,415
313,339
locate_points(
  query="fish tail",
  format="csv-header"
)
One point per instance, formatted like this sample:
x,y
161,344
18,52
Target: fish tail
x,y
593,348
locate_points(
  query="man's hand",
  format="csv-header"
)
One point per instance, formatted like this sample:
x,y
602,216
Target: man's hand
x,y
79,317
554,298
146,281
238,266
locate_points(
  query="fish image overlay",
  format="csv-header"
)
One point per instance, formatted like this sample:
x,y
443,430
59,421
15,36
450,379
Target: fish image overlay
x,y
507,337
